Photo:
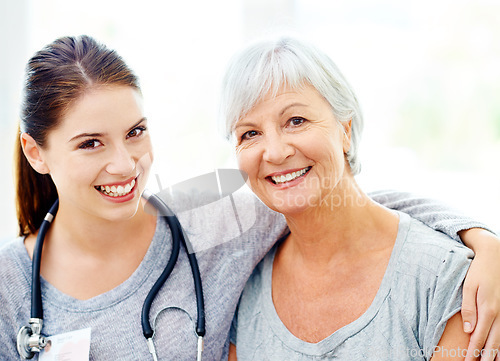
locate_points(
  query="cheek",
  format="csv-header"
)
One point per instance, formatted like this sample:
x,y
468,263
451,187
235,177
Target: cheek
x,y
248,163
71,173
243,166
147,150
324,151
316,147
143,154
144,163
242,158
336,158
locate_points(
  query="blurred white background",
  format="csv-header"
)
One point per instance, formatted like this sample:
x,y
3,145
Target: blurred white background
x,y
426,72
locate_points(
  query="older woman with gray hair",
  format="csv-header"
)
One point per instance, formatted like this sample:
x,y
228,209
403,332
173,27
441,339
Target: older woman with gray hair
x,y
352,279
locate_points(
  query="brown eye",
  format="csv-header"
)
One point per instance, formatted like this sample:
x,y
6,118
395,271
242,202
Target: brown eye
x,y
249,135
297,122
136,132
90,144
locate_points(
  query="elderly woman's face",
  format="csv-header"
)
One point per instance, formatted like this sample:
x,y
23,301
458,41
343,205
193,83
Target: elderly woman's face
x,y
292,148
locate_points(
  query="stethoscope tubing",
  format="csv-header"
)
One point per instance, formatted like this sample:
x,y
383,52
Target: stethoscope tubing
x,y
178,237
36,291
200,302
147,330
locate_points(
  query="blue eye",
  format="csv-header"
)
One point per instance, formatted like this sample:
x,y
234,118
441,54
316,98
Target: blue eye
x,y
136,132
89,144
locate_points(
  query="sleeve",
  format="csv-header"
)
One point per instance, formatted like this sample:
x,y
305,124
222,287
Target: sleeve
x,y
446,296
433,213
14,298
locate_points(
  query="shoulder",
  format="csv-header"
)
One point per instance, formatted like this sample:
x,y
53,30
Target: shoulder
x,y
261,272
437,266
253,297
427,278
426,267
11,250
14,261
239,217
425,251
15,270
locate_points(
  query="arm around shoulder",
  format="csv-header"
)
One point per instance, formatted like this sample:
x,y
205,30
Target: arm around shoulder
x,y
481,291
434,213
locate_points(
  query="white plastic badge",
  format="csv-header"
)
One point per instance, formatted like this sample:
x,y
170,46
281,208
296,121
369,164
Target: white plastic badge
x,y
70,346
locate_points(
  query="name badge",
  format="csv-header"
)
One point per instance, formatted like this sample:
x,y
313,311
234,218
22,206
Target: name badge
x,y
70,346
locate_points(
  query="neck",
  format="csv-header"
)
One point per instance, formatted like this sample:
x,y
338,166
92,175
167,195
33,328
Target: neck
x,y
347,225
100,237
80,248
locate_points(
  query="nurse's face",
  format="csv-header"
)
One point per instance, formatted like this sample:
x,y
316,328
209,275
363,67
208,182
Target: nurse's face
x,y
292,148
100,154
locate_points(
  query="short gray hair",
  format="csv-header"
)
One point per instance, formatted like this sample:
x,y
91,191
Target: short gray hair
x,y
268,66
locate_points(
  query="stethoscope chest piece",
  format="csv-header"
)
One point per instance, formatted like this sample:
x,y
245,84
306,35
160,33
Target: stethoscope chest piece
x,y
29,339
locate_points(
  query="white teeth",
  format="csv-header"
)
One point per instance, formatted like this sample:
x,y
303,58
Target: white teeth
x,y
117,191
290,176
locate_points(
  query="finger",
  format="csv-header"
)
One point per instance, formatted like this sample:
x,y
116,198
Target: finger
x,y
478,337
490,351
469,310
490,354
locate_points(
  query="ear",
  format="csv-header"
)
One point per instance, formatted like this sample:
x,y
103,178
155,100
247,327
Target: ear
x,y
33,154
347,135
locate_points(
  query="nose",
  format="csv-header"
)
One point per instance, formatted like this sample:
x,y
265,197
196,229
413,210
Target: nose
x,y
121,161
277,148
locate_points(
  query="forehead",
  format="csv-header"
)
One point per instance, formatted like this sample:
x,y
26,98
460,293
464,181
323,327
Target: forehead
x,y
303,91
103,106
305,96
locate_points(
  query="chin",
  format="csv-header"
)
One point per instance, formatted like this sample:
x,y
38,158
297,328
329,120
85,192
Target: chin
x,y
123,213
291,205
121,217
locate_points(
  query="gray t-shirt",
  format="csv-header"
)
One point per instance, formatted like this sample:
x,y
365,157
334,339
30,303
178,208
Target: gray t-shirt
x,y
115,316
420,291
229,237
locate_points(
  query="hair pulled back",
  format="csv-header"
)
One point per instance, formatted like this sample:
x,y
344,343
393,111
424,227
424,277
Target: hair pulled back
x,y
56,76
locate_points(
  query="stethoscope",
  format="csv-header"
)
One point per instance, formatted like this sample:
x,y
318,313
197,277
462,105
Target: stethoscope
x,y
29,338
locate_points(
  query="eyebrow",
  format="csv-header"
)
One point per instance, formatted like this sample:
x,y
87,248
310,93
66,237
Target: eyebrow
x,y
94,135
296,104
250,124
243,125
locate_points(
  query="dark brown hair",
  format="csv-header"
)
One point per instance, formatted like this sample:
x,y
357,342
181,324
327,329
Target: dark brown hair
x,y
56,76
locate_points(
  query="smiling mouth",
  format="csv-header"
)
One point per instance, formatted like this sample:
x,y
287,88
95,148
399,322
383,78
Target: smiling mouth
x,y
284,178
116,190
